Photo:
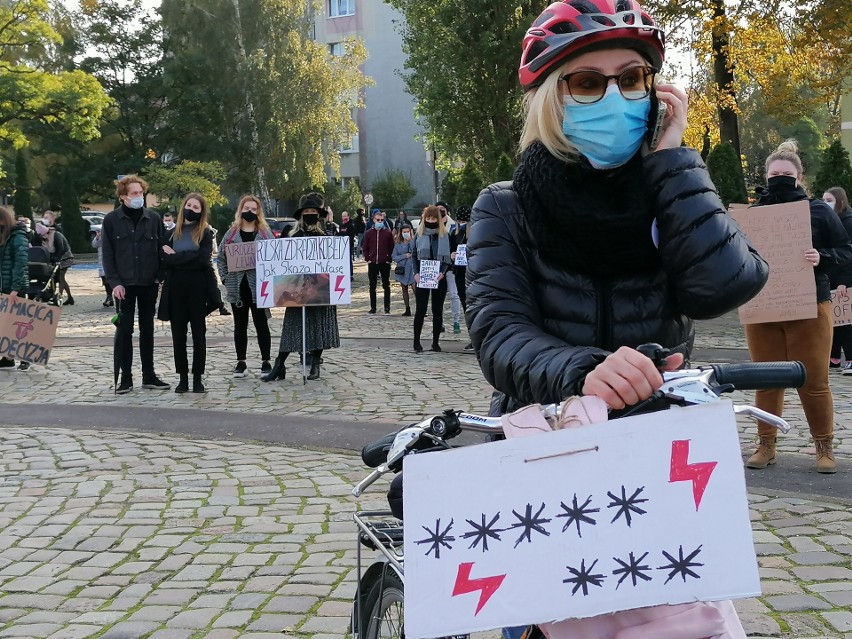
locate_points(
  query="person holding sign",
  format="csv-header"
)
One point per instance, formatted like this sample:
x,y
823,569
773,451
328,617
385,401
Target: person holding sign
x,y
841,278
807,340
432,245
249,226
14,273
187,296
321,331
611,235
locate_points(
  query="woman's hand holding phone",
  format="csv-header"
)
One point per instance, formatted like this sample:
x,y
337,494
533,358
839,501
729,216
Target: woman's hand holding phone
x,y
675,103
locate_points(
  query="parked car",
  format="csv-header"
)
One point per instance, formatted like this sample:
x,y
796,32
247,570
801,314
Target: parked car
x,y
94,219
281,226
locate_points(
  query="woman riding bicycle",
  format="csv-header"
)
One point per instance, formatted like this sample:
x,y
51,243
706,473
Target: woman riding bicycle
x,y
600,243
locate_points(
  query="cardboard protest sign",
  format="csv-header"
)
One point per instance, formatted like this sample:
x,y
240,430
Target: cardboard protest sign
x,y
429,271
841,308
240,256
577,523
303,271
461,255
27,329
781,233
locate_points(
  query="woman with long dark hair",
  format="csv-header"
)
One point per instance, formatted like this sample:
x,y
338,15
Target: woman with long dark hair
x,y
14,274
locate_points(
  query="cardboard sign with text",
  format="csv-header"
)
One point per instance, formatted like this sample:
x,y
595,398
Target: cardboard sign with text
x,y
841,308
27,329
531,530
240,255
781,233
303,271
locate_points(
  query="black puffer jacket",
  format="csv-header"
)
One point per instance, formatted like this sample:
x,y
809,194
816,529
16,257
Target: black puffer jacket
x,y
539,330
827,235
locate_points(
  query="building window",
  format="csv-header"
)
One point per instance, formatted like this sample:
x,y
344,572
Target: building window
x,y
336,49
337,8
353,145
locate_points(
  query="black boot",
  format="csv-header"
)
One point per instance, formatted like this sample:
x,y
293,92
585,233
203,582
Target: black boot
x,y
69,301
183,385
315,369
197,386
278,371
418,328
435,336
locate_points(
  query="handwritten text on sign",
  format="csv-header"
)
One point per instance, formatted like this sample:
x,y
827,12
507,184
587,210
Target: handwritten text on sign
x,y
781,233
429,271
240,256
841,308
27,329
543,535
303,271
461,255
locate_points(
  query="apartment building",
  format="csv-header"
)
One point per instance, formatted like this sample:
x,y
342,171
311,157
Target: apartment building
x,y
388,133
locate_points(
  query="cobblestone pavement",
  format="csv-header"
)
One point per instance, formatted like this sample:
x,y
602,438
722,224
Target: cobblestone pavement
x,y
121,535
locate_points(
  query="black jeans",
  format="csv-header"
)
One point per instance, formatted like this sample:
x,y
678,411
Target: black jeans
x,y
258,317
842,341
373,272
460,273
188,309
146,297
421,297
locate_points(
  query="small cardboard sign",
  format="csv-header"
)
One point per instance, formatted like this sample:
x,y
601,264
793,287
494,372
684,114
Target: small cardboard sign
x,y
241,256
303,271
543,534
461,255
27,329
781,233
429,272
841,308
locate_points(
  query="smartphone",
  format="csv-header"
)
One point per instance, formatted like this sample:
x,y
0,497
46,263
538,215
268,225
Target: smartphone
x,y
655,122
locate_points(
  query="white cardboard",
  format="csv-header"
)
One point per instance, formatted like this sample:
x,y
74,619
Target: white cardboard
x,y
549,470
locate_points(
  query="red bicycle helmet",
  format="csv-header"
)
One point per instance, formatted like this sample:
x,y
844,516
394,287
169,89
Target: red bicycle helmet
x,y
572,26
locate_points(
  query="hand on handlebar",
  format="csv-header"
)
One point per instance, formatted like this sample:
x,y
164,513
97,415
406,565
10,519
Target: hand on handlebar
x,y
627,377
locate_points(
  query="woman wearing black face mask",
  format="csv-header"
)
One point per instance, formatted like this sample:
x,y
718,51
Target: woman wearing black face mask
x,y
321,330
432,242
807,340
190,291
249,225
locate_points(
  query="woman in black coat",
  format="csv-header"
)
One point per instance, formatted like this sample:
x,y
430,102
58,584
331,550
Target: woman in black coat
x,y
190,288
600,243
841,278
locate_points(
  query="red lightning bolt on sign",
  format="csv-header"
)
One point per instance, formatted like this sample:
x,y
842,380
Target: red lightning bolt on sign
x,y
338,288
486,585
682,470
263,292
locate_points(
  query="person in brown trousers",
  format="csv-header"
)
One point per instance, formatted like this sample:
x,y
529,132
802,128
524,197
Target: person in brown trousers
x,y
806,340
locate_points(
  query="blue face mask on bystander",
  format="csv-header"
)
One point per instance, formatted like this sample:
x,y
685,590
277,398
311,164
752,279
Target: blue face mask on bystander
x,y
379,225
609,132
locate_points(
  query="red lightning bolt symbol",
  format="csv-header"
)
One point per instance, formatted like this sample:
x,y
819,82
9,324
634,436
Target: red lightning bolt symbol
x,y
339,286
263,292
682,470
486,585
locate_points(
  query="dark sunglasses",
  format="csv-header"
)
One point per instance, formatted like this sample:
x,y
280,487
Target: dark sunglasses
x,y
588,87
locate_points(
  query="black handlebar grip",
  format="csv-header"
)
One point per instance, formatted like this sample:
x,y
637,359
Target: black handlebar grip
x,y
375,453
761,375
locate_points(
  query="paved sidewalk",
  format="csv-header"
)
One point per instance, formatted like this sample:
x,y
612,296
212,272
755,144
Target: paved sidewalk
x,y
124,535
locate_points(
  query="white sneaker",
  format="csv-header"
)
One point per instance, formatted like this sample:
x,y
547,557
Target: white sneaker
x,y
847,368
240,370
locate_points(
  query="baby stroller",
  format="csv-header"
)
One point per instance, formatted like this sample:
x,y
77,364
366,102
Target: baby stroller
x,y
42,286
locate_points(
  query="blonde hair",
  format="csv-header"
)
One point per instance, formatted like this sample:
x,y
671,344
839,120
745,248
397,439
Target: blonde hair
x,y
787,151
123,185
201,225
261,218
431,210
543,113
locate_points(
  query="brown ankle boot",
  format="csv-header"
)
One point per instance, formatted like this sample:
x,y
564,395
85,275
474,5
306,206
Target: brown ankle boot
x,y
765,454
825,457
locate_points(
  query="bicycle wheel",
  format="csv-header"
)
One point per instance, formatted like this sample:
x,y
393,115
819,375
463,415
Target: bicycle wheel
x,y
386,617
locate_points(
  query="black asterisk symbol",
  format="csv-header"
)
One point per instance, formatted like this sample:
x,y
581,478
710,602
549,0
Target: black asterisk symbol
x,y
681,566
437,538
481,532
577,514
530,522
583,577
626,504
632,568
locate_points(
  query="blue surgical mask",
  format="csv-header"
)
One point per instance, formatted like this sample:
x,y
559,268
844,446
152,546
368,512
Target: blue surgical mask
x,y
609,132
137,202
379,225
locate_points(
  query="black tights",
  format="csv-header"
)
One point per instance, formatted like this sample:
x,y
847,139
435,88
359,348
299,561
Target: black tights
x,y
421,297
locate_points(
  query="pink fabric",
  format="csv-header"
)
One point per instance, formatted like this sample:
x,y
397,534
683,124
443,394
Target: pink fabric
x,y
716,620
